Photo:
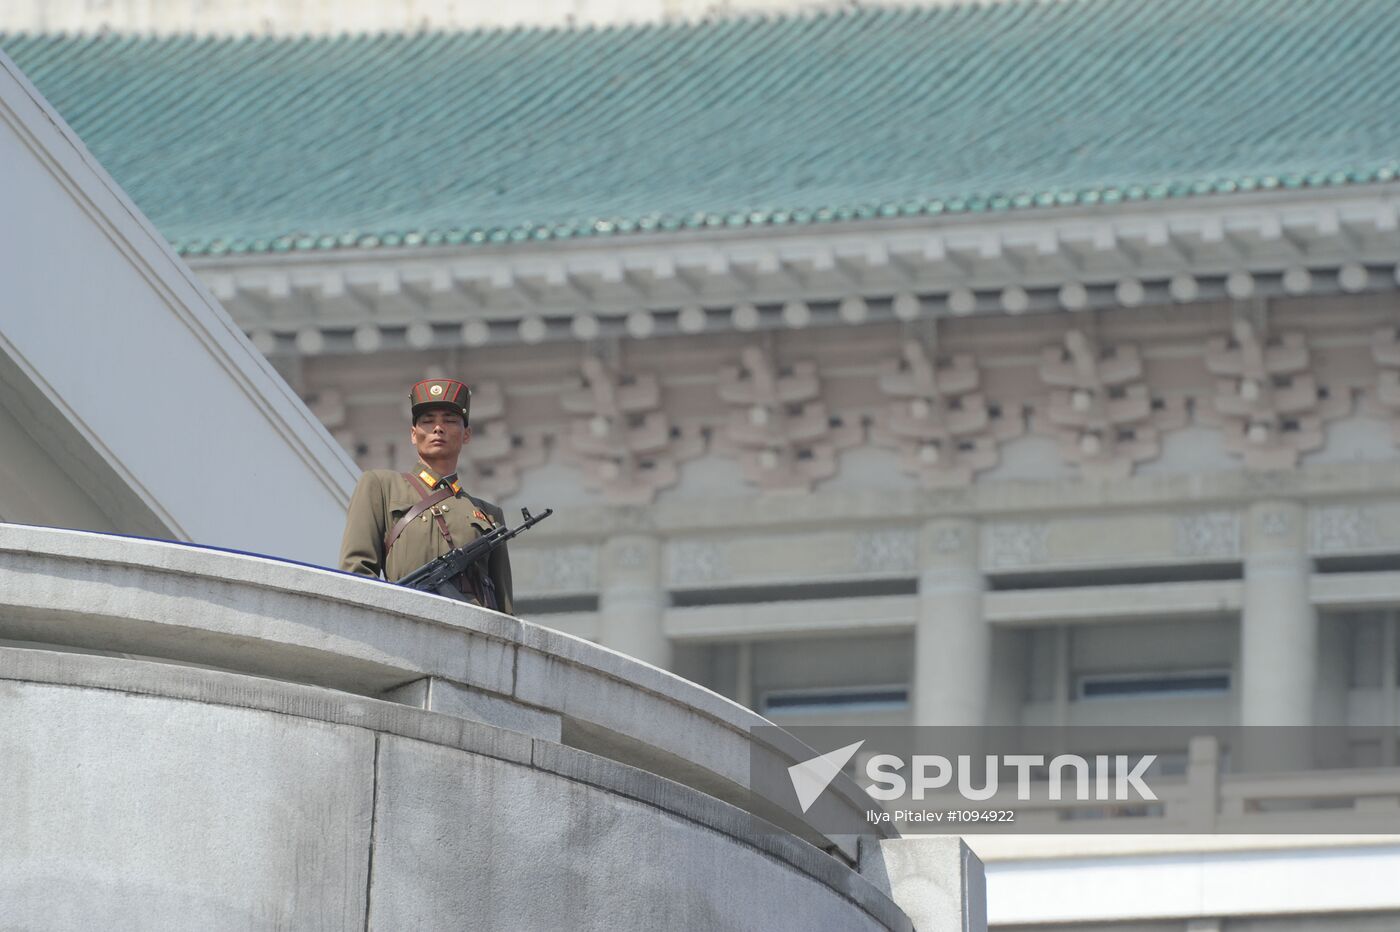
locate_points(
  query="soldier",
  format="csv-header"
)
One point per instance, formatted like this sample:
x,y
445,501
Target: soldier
x,y
399,521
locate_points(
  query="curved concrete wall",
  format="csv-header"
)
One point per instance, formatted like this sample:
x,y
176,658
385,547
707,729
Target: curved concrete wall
x,y
366,754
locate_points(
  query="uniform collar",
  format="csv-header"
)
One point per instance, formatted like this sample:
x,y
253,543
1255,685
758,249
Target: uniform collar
x,y
432,480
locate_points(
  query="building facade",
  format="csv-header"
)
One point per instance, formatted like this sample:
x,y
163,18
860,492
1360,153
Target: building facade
x,y
974,366
198,736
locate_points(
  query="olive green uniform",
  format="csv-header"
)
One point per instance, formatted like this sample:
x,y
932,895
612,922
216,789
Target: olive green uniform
x,y
382,497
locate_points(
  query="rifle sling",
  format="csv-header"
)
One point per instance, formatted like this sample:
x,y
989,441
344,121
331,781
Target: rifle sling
x,y
479,583
427,500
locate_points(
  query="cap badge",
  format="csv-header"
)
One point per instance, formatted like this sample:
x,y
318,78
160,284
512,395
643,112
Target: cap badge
x,y
435,390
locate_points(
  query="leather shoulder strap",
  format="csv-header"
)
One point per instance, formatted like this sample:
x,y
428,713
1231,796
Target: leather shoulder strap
x,y
427,499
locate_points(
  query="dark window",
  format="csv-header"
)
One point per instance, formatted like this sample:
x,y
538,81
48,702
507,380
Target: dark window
x,y
1192,683
861,699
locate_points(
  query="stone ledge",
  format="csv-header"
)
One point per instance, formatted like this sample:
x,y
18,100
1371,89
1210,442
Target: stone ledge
x,y
435,694
259,616
318,585
685,803
148,678
215,687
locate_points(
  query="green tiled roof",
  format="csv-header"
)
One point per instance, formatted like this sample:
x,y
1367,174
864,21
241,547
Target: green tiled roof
x,y
252,145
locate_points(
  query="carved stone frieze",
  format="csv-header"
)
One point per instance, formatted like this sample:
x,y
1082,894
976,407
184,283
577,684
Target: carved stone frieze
x,y
948,418
779,427
1384,396
942,426
632,554
1208,535
1009,545
1275,521
695,563
1341,528
887,550
377,452
329,407
562,569
1266,399
494,458
1100,409
621,437
950,539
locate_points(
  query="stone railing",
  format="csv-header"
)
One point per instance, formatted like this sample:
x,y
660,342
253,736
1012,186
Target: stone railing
x,y
229,741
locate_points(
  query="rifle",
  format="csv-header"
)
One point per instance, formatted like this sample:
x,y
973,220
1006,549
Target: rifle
x,y
436,572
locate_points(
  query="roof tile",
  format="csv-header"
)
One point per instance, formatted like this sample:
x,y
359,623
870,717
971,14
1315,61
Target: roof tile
x,y
259,144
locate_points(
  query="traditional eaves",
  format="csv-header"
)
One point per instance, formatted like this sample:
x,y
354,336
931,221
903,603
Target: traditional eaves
x,y
268,145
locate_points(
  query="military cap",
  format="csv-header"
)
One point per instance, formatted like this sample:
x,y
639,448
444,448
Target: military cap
x,y
444,393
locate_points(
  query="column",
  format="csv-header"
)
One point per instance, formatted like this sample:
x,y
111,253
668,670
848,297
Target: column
x,y
632,599
1278,630
1202,806
952,642
743,674
1390,688
1060,694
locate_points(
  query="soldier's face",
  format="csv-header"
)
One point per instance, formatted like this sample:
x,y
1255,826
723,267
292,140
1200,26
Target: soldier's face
x,y
439,434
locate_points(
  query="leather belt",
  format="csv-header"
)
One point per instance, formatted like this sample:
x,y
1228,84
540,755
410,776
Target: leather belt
x,y
428,500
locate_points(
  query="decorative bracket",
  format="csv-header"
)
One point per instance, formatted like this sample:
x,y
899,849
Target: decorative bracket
x,y
1266,398
942,426
780,429
1100,409
621,437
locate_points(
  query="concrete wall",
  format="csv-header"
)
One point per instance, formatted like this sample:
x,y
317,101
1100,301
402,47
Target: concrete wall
x,y
368,751
142,811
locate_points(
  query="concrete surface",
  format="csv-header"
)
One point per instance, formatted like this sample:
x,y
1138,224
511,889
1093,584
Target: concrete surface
x,y
141,812
299,624
939,882
154,795
439,695
455,836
